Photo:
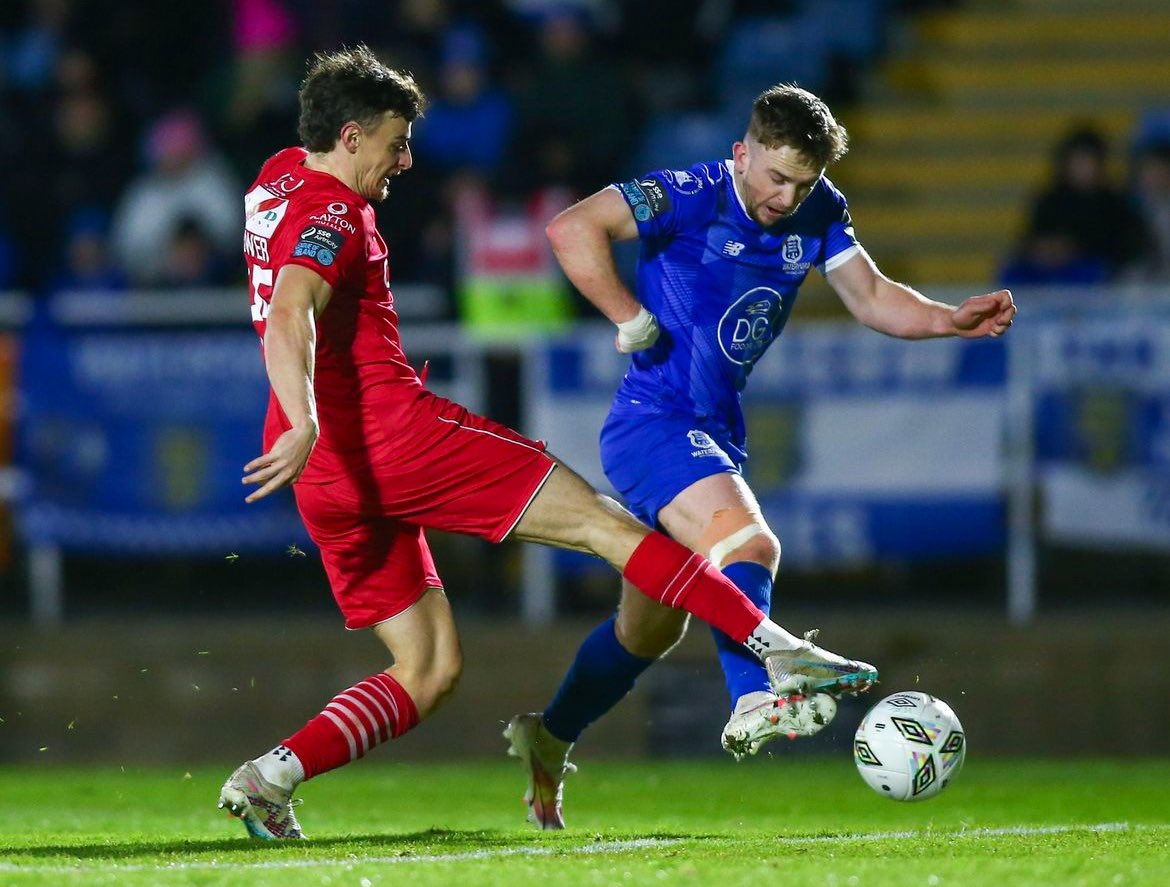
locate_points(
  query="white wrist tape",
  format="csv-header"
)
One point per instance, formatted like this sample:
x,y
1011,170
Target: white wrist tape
x,y
637,333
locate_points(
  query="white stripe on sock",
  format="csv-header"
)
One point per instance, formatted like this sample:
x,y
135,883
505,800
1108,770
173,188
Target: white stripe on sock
x,y
355,722
344,732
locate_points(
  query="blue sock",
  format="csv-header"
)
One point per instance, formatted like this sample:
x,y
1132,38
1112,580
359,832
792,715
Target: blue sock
x,y
603,672
741,669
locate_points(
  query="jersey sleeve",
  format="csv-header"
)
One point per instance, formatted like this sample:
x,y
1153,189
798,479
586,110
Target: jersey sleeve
x,y
318,237
668,201
841,242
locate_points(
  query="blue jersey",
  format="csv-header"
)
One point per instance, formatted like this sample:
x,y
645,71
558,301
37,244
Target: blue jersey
x,y
721,285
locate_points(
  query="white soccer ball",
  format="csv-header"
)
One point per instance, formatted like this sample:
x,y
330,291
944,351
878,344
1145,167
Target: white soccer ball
x,y
909,746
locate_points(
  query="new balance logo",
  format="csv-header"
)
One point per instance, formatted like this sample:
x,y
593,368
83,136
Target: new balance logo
x,y
732,248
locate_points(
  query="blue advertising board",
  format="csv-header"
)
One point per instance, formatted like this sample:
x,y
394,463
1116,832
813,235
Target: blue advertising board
x,y
135,440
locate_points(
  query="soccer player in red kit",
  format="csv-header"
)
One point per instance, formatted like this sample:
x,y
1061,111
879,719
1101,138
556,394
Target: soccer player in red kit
x,y
374,457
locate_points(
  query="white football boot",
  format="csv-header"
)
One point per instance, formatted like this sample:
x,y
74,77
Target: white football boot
x,y
761,717
811,669
264,808
546,759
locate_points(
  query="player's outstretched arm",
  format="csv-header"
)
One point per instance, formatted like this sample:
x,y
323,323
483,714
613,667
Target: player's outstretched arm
x,y
898,310
582,238
290,340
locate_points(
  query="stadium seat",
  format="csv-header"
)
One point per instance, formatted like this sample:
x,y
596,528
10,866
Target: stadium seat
x,y
854,30
760,52
677,141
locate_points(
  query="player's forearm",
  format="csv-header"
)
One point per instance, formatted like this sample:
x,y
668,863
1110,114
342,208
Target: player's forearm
x,y
290,341
897,310
585,253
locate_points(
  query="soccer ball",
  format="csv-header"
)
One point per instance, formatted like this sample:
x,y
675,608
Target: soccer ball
x,y
909,746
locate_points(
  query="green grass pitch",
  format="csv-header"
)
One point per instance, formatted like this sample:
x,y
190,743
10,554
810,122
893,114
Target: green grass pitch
x,y
785,821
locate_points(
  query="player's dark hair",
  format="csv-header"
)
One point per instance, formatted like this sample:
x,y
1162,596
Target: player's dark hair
x,y
788,115
352,84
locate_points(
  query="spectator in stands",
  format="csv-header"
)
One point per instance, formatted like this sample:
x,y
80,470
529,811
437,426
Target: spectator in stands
x,y
576,92
28,56
88,264
186,179
1152,186
192,259
1082,218
469,125
1051,258
260,99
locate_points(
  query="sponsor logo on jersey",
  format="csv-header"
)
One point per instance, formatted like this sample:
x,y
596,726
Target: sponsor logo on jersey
x,y
320,244
323,237
732,248
748,326
322,255
263,211
333,220
337,208
256,246
656,197
646,198
682,181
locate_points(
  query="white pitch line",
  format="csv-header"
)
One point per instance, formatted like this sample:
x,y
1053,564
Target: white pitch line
x,y
1021,830
351,861
600,847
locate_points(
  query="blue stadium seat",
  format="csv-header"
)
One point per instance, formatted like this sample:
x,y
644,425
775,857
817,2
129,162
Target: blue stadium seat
x,y
676,141
760,52
850,29
1153,127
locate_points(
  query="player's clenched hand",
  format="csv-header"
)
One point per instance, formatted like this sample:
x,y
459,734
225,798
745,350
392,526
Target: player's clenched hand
x,y
987,315
282,464
637,333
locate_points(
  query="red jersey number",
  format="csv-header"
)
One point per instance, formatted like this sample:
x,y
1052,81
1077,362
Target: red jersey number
x,y
261,292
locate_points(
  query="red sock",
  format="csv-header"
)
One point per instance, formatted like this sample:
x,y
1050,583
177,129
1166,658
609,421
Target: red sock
x,y
355,721
674,575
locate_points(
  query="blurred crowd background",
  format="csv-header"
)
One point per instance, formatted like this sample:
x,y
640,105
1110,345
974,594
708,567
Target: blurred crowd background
x,y
128,128
930,497
1015,142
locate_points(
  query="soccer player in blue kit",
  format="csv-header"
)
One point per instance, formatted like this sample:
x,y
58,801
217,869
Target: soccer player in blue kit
x,y
724,247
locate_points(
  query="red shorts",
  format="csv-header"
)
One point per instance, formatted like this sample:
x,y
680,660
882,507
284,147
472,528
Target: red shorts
x,y
450,470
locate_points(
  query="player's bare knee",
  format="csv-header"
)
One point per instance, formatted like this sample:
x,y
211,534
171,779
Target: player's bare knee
x,y
431,679
739,534
762,549
445,674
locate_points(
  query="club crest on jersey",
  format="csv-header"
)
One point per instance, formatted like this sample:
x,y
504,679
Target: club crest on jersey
x,y
702,442
793,249
792,253
263,211
748,326
683,181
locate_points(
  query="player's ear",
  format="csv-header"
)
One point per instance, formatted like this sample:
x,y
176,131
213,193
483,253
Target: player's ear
x,y
739,155
350,136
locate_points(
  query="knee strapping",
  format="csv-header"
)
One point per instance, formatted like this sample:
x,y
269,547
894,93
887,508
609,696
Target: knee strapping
x,y
730,529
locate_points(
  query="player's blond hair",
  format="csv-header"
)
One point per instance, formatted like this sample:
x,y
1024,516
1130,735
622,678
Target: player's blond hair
x,y
787,115
352,84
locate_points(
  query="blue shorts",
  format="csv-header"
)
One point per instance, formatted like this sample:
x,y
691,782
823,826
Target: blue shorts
x,y
651,457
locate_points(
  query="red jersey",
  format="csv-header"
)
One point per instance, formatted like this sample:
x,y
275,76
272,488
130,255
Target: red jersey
x,y
295,215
